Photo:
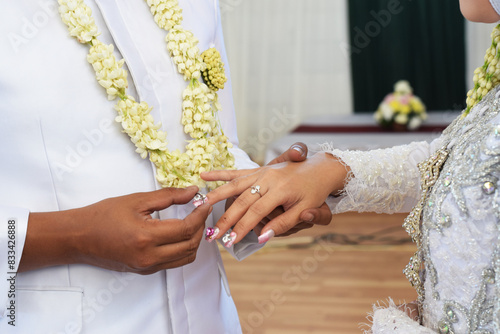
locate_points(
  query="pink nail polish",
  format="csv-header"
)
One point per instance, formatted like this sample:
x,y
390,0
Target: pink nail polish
x,y
266,236
199,199
211,233
230,240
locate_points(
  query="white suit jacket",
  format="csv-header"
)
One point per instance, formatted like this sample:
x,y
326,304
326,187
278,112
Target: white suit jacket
x,y
61,149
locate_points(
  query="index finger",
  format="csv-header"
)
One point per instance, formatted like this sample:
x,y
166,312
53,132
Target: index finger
x,y
225,174
233,188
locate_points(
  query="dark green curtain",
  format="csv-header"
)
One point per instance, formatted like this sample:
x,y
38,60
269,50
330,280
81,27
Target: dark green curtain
x,y
421,41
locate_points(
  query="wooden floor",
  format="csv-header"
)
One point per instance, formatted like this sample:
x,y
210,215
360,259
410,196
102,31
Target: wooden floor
x,y
323,280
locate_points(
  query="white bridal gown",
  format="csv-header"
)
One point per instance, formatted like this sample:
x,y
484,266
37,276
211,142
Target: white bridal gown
x,y
61,149
461,220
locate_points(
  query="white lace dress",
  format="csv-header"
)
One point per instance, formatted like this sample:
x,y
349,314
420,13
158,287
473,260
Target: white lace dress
x,y
460,224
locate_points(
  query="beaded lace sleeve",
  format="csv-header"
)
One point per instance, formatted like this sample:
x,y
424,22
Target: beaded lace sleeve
x,y
383,180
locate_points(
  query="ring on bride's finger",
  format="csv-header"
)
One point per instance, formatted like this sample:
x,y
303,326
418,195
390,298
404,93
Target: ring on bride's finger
x,y
255,190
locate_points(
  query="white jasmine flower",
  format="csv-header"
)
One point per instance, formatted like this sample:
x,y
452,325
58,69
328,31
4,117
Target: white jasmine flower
x,y
209,147
78,17
109,72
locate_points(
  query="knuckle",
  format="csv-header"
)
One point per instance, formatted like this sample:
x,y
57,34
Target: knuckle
x,y
188,230
282,225
142,263
234,183
242,201
256,209
192,246
140,200
191,258
141,241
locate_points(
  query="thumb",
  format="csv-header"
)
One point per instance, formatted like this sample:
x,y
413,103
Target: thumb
x,y
163,198
296,153
320,216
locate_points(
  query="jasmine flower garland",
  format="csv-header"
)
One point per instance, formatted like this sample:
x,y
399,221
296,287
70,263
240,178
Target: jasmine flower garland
x,y
208,148
214,72
487,76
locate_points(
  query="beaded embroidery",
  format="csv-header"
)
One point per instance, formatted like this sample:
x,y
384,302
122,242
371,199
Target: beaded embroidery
x,y
429,171
467,161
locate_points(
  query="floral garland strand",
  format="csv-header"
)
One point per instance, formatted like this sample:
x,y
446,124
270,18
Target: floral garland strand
x,y
487,76
209,147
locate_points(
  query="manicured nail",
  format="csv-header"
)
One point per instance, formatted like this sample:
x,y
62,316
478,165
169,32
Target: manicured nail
x,y
299,149
265,237
308,217
211,233
229,239
199,199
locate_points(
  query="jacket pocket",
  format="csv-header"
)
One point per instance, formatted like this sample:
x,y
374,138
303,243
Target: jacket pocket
x,y
45,310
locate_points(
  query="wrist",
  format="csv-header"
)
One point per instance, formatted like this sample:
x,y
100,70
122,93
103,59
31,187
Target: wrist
x,y
333,170
50,240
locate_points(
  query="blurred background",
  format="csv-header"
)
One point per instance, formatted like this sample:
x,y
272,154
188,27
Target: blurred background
x,y
299,62
316,71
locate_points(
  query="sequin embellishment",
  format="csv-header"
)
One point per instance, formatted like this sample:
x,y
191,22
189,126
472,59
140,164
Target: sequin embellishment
x,y
429,171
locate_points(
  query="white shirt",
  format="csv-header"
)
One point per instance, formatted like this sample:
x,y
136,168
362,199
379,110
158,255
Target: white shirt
x,y
61,149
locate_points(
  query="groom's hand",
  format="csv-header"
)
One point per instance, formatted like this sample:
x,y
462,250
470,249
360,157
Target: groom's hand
x,y
310,217
117,234
295,153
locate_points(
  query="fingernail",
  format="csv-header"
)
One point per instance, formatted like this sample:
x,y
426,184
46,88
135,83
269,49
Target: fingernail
x,y
308,217
229,239
265,237
211,233
299,149
199,199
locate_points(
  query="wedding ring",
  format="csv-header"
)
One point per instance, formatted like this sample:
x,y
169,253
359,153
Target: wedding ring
x,y
255,190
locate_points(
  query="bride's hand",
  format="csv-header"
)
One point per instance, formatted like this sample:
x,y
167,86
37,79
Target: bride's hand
x,y
295,186
308,218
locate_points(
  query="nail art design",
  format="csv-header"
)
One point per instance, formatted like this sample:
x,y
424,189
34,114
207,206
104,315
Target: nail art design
x,y
229,238
266,236
226,236
211,233
199,199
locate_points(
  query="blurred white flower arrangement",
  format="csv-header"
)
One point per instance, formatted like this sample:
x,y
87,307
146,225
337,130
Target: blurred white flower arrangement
x,y
401,110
